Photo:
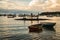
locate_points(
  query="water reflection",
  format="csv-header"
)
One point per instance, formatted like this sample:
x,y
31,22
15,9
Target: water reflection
x,y
10,27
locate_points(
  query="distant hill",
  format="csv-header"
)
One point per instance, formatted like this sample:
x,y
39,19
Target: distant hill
x,y
50,13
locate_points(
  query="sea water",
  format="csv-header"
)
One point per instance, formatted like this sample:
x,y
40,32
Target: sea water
x,y
10,28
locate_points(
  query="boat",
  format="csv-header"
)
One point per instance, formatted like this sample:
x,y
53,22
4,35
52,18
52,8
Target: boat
x,y
32,19
11,15
35,28
48,26
39,27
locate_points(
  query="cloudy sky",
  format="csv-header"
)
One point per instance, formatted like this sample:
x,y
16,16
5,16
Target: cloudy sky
x,y
38,5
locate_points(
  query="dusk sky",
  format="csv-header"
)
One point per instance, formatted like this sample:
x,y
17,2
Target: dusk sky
x,y
38,5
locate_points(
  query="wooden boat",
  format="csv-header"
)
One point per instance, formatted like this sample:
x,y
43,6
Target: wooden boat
x,y
49,26
31,19
35,28
39,27
11,15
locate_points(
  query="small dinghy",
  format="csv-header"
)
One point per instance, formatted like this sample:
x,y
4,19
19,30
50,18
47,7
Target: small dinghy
x,y
35,28
39,27
48,26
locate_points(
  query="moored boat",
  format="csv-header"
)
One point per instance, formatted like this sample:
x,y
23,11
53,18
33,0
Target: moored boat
x,y
35,28
32,19
39,27
49,26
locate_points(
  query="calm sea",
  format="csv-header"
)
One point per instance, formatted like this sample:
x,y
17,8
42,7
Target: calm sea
x,y
10,27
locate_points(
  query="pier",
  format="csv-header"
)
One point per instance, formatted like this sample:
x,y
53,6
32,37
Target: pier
x,y
31,17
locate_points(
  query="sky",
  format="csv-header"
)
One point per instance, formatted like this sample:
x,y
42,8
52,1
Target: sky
x,y
14,4
37,5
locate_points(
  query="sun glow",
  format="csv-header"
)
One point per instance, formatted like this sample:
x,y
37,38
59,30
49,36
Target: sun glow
x,y
45,5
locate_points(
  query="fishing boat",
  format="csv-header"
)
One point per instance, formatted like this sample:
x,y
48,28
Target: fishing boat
x,y
35,18
28,19
11,15
31,19
48,26
35,28
39,27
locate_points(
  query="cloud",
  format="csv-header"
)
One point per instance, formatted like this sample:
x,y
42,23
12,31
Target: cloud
x,y
7,4
3,1
36,2
45,5
38,5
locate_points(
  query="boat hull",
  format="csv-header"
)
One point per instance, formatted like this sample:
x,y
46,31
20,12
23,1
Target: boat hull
x,y
32,29
32,19
35,28
40,27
